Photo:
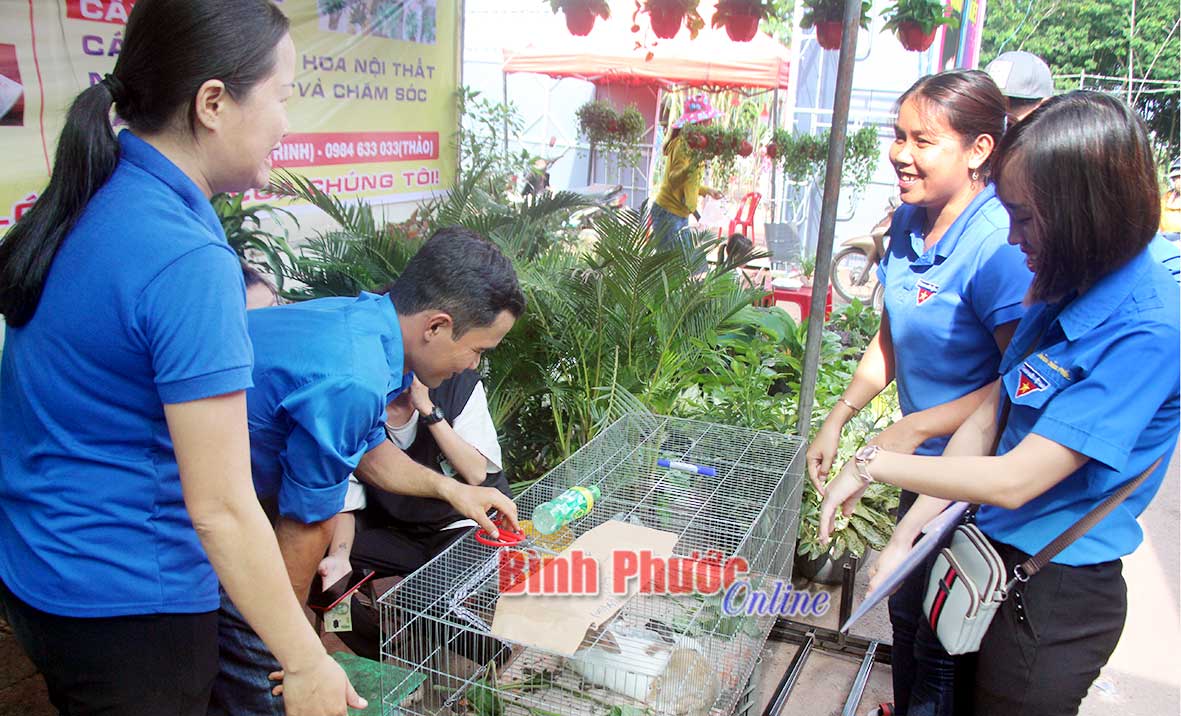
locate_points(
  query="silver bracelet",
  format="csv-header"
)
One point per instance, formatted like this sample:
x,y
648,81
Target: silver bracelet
x,y
849,405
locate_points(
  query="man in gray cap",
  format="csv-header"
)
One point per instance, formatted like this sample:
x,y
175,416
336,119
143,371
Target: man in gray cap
x,y
1024,79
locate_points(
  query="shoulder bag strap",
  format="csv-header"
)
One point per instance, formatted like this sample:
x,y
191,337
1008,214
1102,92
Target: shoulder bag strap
x,y
1035,563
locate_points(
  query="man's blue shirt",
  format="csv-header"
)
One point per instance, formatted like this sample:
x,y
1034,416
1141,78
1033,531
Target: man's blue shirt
x,y
144,305
1103,381
324,372
945,303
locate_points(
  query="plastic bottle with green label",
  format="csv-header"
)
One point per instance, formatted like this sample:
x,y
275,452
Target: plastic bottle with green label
x,y
549,517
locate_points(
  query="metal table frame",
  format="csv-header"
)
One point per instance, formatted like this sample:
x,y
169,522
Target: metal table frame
x,y
810,638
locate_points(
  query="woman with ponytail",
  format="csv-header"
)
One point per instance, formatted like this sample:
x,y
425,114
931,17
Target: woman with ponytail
x,y
953,296
125,489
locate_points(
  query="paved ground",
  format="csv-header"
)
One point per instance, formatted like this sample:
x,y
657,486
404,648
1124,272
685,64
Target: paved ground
x,y
1142,679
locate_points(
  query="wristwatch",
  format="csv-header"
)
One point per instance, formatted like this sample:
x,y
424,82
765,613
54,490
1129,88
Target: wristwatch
x,y
435,416
861,460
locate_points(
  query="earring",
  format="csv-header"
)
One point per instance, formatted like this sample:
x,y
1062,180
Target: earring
x,y
975,175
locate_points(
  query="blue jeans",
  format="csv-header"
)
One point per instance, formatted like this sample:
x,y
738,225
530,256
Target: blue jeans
x,y
242,687
671,232
669,229
924,673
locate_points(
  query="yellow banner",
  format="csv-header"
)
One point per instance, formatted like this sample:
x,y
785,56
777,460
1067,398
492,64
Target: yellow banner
x,y
373,115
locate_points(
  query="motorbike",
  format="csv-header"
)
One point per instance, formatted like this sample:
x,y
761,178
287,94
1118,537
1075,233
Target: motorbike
x,y
599,197
854,267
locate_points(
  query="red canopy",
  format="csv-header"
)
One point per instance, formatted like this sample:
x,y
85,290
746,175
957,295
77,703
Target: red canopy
x,y
609,54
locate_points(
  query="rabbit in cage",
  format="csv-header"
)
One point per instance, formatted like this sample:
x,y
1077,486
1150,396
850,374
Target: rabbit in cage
x,y
670,677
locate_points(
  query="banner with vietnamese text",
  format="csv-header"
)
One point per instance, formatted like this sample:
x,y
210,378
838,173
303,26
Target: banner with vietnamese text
x,y
373,115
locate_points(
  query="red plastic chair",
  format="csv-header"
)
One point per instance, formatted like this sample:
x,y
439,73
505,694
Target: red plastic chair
x,y
750,202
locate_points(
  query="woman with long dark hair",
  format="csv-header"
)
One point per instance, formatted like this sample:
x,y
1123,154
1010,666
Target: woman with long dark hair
x,y
953,295
1092,385
125,488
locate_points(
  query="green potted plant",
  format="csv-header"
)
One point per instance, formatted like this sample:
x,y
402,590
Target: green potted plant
x,y
667,16
720,146
741,17
826,16
610,130
581,14
915,22
872,523
715,141
808,268
870,526
803,156
243,227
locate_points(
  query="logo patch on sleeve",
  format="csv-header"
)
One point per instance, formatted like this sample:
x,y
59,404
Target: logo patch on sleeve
x,y
1030,381
926,290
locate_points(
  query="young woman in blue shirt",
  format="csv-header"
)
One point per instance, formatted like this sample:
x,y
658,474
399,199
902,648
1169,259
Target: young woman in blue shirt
x,y
124,463
953,295
1092,377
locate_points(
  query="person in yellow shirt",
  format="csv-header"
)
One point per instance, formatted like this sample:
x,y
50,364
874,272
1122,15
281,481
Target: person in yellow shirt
x,y
1170,205
678,194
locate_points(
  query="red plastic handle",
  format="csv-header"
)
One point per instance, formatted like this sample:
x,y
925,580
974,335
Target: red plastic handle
x,y
508,538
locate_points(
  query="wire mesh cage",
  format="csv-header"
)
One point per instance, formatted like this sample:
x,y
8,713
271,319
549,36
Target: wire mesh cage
x,y
662,653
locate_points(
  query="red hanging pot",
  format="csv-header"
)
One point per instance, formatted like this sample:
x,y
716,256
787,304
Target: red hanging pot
x,y
828,35
742,28
912,37
666,23
579,20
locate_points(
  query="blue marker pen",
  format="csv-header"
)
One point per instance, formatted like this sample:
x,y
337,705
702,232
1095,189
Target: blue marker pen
x,y
686,467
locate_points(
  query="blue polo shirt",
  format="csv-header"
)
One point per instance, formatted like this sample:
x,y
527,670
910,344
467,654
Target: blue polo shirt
x,y
1103,382
144,306
945,303
324,372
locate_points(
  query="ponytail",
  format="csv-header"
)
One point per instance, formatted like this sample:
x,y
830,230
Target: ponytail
x,y
86,155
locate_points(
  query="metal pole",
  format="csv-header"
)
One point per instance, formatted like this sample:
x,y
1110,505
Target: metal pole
x,y
1131,54
828,214
790,677
504,99
860,682
774,203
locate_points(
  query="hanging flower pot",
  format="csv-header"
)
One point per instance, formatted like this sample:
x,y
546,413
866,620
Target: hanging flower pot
x,y
912,37
741,17
827,16
580,20
742,28
581,14
611,131
916,21
666,23
828,35
668,16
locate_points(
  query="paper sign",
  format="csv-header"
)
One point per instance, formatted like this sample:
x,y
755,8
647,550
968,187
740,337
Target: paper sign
x,y
558,622
935,531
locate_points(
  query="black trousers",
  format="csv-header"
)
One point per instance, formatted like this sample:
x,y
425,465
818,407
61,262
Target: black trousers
x,y
150,665
394,553
1049,639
